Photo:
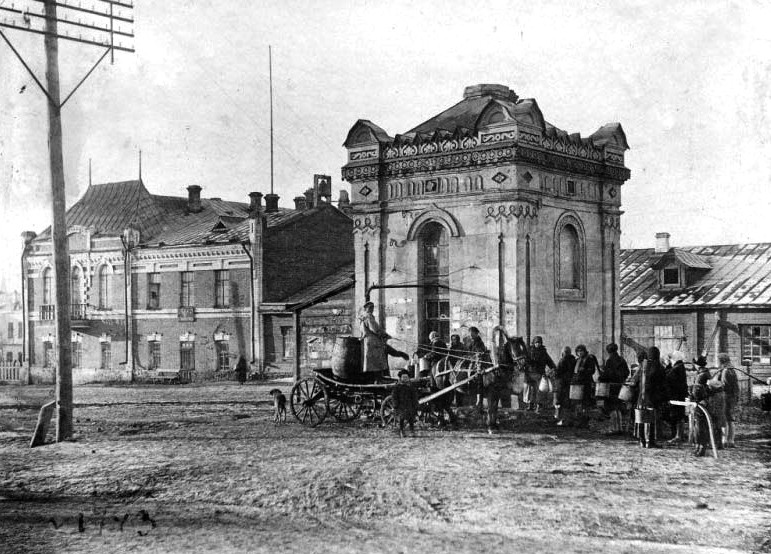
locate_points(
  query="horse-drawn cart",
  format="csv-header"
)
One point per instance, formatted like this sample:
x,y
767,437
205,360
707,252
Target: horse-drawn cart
x,y
346,397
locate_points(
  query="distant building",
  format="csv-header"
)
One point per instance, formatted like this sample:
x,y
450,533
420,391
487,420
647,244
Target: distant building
x,y
11,329
699,298
486,214
163,282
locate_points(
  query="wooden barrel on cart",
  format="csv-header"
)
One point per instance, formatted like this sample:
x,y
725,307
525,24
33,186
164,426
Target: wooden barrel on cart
x,y
346,357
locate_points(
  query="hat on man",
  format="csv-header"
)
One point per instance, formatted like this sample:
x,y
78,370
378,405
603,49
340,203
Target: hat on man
x,y
433,335
404,372
701,361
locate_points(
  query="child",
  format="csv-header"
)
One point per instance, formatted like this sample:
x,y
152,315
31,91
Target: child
x,y
405,402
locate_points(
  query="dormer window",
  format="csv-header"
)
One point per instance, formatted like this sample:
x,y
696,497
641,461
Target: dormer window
x,y
670,276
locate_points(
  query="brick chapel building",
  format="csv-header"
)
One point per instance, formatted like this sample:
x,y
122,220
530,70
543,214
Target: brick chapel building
x,y
486,214
189,283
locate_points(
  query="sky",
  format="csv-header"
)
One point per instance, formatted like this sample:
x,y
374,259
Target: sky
x,y
690,83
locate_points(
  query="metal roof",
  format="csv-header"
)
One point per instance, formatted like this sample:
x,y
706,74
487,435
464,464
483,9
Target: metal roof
x,y
112,207
732,275
338,281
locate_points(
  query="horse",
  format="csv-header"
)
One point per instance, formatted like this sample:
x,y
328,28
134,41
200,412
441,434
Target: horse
x,y
509,357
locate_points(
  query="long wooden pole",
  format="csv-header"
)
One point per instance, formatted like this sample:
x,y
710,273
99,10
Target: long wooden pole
x,y
59,231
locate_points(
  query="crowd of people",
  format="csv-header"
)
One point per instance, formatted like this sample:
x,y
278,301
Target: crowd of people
x,y
636,400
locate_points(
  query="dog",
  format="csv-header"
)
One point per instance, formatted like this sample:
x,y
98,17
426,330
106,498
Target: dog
x,y
279,406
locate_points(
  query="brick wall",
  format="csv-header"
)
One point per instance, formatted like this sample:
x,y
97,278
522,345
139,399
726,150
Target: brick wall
x,y
302,252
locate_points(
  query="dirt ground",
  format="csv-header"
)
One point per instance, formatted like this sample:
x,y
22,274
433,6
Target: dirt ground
x,y
202,468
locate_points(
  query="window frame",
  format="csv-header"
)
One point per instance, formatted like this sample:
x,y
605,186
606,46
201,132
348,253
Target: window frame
x,y
76,353
759,359
222,350
154,357
153,286
186,289
48,286
104,288
187,354
577,294
105,347
222,288
287,342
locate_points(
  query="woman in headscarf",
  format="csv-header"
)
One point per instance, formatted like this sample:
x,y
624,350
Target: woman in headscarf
x,y
539,360
586,366
615,372
700,394
373,339
563,375
652,386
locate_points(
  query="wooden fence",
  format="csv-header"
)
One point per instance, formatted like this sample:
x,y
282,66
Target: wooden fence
x,y
10,372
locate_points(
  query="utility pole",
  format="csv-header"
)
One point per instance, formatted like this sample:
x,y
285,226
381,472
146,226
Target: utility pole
x,y
26,19
59,231
270,83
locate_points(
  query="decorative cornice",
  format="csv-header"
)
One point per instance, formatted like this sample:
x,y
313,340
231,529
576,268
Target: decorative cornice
x,y
611,221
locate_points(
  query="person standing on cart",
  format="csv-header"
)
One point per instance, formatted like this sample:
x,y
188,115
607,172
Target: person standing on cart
x,y
373,341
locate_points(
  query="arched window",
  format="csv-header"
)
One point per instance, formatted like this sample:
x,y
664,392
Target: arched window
x,y
434,260
569,259
570,256
48,286
104,288
75,287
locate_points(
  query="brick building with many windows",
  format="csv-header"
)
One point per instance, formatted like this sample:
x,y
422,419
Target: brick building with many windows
x,y
175,283
697,299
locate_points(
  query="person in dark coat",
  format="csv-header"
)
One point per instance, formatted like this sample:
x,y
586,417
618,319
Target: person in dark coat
x,y
539,361
700,393
405,399
457,350
614,372
727,375
651,383
586,366
563,375
436,350
241,369
677,388
477,351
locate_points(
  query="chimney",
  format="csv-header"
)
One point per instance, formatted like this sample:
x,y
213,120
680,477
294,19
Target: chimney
x,y
299,203
27,237
662,243
271,203
194,199
309,197
255,201
344,200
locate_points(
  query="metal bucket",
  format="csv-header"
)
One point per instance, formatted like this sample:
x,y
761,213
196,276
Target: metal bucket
x,y
626,394
346,357
603,390
576,392
644,415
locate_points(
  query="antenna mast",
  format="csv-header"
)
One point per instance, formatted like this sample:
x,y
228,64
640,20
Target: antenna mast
x,y
270,80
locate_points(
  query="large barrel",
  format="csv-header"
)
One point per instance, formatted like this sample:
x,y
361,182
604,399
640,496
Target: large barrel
x,y
346,357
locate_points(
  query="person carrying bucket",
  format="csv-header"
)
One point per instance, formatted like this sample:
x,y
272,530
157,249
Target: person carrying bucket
x,y
651,384
581,385
612,375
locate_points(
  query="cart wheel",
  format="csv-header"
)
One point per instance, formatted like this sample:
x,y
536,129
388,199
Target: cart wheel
x,y
308,401
387,411
343,408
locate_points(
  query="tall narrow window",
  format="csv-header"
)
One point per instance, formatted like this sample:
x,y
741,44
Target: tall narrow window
x,y
223,355
48,354
287,340
30,294
104,288
434,272
76,289
20,330
187,355
187,295
10,329
153,291
154,354
222,288
77,354
48,286
570,258
106,357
